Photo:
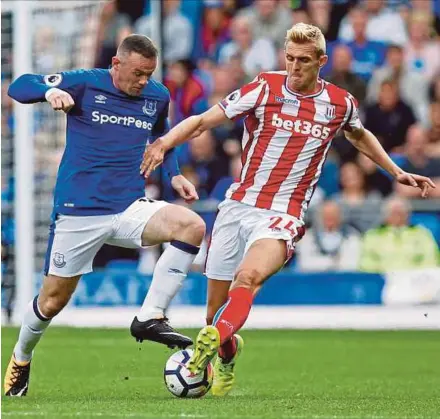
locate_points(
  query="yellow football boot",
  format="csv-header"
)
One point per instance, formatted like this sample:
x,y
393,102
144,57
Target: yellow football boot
x,y
207,344
224,371
17,378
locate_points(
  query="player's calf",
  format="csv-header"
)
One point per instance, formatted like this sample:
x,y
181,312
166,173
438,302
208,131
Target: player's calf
x,y
248,278
55,294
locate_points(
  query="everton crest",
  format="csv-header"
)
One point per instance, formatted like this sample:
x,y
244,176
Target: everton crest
x,y
150,107
58,260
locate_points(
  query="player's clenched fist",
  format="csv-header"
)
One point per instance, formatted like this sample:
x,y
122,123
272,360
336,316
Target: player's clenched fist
x,y
59,100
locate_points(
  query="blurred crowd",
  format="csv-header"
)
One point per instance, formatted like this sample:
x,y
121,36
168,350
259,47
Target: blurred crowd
x,y
386,53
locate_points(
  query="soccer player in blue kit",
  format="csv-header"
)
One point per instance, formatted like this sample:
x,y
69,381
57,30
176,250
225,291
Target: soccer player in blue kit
x,y
99,195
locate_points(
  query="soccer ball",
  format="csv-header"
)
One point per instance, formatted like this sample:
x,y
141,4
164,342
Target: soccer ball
x,y
179,380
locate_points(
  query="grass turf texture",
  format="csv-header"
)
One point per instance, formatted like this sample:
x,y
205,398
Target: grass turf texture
x,y
282,374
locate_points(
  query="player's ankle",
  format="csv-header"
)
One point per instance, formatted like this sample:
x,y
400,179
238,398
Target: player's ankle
x,y
143,317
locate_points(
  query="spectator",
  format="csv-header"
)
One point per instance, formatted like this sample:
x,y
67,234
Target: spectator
x,y
114,26
407,80
209,165
256,54
367,54
375,178
214,31
223,84
397,245
416,160
422,54
342,75
390,118
425,6
187,90
380,22
359,207
189,96
176,26
329,245
319,12
433,148
326,14
269,20
219,191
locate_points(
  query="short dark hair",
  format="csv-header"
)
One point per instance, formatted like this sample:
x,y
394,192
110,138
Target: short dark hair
x,y
139,44
394,47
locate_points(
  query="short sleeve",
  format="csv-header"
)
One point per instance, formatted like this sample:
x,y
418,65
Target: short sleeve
x,y
244,100
354,121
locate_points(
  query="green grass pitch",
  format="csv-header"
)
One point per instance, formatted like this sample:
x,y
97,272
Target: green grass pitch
x,y
103,373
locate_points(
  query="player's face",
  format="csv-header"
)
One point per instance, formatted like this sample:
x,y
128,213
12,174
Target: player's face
x,y
303,65
132,72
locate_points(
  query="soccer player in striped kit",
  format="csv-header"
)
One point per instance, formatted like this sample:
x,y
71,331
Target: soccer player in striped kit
x,y
291,118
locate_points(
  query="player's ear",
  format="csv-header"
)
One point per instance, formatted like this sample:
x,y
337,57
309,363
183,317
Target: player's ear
x,y
323,60
116,62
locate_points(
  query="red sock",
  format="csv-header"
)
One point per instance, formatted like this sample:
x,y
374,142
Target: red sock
x,y
228,349
233,314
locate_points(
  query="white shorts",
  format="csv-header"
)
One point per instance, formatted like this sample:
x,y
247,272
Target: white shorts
x,y
74,241
237,226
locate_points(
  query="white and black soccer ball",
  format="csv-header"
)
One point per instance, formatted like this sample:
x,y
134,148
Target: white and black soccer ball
x,y
181,382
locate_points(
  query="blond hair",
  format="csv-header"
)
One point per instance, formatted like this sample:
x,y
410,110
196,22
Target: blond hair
x,y
302,33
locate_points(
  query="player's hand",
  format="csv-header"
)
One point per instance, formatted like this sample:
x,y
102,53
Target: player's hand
x,y
60,100
184,188
153,157
417,181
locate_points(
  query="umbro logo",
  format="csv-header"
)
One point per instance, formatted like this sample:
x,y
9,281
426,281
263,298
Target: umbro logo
x,y
100,99
175,271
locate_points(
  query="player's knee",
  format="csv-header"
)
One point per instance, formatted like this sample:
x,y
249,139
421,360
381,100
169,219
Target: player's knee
x,y
209,320
52,304
248,278
193,228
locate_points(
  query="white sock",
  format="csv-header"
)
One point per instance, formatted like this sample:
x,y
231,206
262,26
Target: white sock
x,y
170,271
32,328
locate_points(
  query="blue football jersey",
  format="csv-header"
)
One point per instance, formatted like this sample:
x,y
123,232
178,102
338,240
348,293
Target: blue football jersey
x,y
107,131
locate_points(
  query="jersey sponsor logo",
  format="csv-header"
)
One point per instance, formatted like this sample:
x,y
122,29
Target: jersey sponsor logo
x,y
301,127
295,102
100,99
58,260
53,80
150,107
126,121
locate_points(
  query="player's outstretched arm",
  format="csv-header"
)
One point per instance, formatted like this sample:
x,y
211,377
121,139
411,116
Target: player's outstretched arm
x,y
187,129
28,88
57,89
367,143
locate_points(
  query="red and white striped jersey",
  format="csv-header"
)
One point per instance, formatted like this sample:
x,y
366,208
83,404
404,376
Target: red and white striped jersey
x,y
286,140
